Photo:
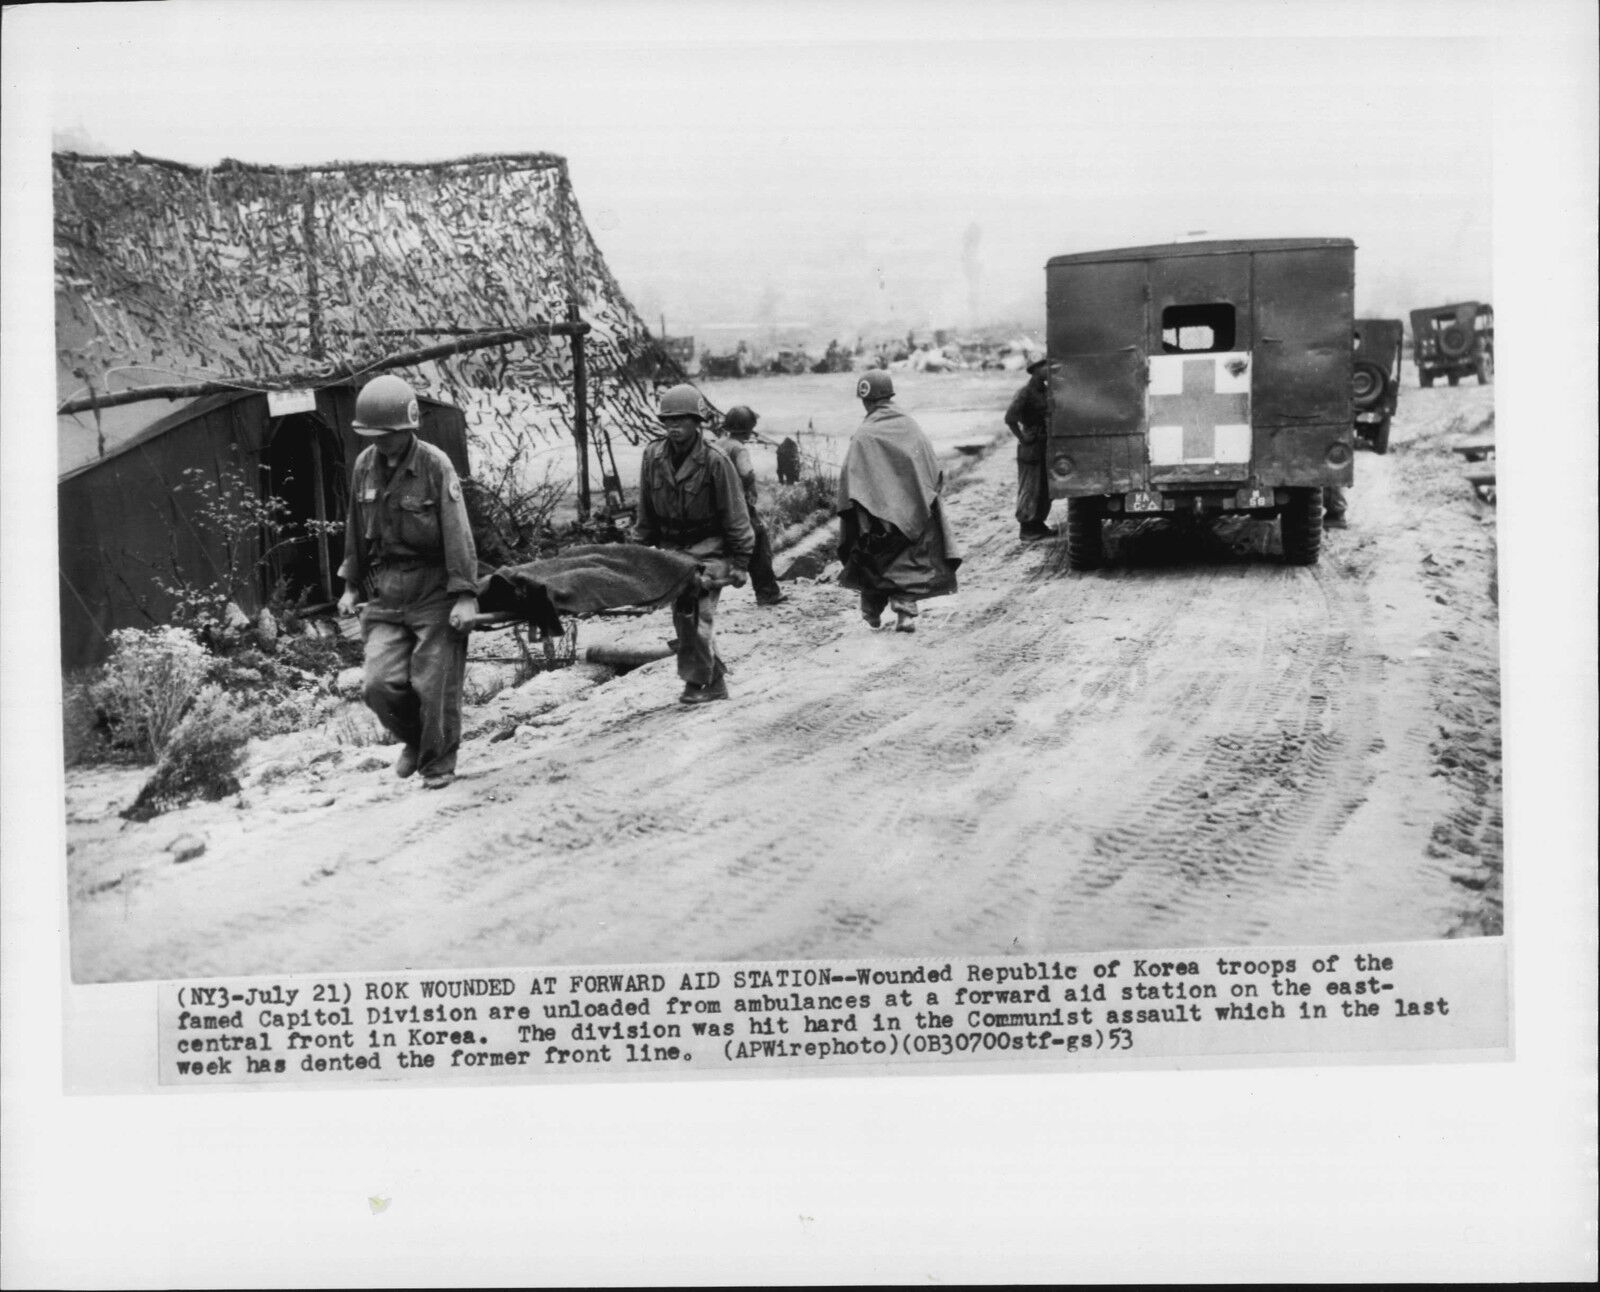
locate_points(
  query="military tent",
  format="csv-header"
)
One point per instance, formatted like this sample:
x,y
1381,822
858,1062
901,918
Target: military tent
x,y
168,506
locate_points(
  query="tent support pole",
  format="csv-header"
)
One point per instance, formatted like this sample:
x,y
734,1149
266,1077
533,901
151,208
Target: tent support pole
x,y
319,379
324,560
580,411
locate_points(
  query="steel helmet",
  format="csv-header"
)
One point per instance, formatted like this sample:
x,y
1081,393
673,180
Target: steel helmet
x,y
385,404
875,384
740,420
681,401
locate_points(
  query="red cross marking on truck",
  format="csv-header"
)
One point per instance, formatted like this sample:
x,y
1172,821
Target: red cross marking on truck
x,y
1200,409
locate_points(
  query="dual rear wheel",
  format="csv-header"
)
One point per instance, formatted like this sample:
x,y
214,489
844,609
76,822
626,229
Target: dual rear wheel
x,y
1086,533
1301,526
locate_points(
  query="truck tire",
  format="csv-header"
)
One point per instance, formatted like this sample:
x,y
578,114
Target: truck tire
x,y
1424,378
1380,438
1086,541
1366,383
1301,527
1453,341
1455,378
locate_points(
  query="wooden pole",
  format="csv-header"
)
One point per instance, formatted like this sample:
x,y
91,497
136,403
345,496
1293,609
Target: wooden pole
x,y
324,560
478,341
308,228
580,411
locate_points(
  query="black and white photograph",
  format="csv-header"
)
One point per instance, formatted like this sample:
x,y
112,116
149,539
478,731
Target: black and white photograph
x,y
577,489
1104,555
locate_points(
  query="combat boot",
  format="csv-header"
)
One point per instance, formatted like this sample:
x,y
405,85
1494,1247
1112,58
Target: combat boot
x,y
705,693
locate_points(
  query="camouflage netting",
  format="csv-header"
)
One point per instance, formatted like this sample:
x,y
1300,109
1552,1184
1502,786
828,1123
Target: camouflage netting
x,y
167,272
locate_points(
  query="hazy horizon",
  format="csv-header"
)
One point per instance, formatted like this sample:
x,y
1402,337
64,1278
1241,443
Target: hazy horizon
x,y
895,170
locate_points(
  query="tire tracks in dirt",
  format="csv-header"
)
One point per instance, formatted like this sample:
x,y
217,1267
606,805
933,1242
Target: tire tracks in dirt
x,y
1196,746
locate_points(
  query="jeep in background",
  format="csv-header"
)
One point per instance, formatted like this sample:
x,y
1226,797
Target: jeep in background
x,y
1453,341
1201,380
1375,379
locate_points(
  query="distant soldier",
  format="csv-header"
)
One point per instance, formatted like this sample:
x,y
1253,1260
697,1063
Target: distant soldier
x,y
894,540
1333,507
1028,419
788,461
408,545
738,428
690,500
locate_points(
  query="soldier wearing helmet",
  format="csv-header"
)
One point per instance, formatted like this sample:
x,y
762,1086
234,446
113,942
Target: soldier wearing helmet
x,y
408,546
894,540
738,428
1027,418
690,500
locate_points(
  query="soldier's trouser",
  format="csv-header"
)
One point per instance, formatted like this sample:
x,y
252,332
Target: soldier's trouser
x,y
1033,493
873,604
762,578
414,667
1333,502
693,616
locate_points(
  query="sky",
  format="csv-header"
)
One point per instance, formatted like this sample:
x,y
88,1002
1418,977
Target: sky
x,y
840,166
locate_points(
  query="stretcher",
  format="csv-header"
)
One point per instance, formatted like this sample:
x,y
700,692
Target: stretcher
x,y
562,648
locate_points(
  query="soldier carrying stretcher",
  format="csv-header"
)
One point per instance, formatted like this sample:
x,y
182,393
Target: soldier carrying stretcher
x,y
691,500
408,546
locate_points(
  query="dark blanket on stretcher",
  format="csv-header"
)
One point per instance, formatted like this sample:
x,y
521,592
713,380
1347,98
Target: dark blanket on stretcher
x,y
582,580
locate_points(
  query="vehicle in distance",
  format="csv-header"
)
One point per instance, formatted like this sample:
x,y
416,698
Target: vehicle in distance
x,y
1453,341
1375,379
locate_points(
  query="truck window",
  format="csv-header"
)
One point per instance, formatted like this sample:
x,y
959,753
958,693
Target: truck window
x,y
1197,329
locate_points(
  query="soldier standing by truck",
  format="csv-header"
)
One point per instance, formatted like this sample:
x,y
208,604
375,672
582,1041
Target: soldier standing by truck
x,y
738,428
408,545
1028,418
690,500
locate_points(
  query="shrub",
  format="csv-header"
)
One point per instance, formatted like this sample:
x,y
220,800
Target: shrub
x,y
145,687
509,512
200,758
80,741
812,497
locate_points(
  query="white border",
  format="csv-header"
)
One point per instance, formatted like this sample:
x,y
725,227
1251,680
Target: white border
x,y
1477,1172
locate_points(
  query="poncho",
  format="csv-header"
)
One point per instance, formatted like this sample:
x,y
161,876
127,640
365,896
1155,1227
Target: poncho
x,y
891,471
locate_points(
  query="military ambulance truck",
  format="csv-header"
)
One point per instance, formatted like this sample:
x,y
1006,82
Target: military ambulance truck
x,y
1200,380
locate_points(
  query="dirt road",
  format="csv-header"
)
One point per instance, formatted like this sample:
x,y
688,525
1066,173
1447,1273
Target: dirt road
x,y
1196,746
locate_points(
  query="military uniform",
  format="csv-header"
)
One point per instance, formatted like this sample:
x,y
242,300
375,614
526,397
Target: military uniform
x,y
1028,419
408,545
762,576
696,506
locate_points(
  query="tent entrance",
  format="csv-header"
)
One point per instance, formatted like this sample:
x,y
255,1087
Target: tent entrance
x,y
303,465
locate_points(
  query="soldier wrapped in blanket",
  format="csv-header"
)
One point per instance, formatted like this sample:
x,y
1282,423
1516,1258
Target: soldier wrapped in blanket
x,y
691,500
894,539
408,546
